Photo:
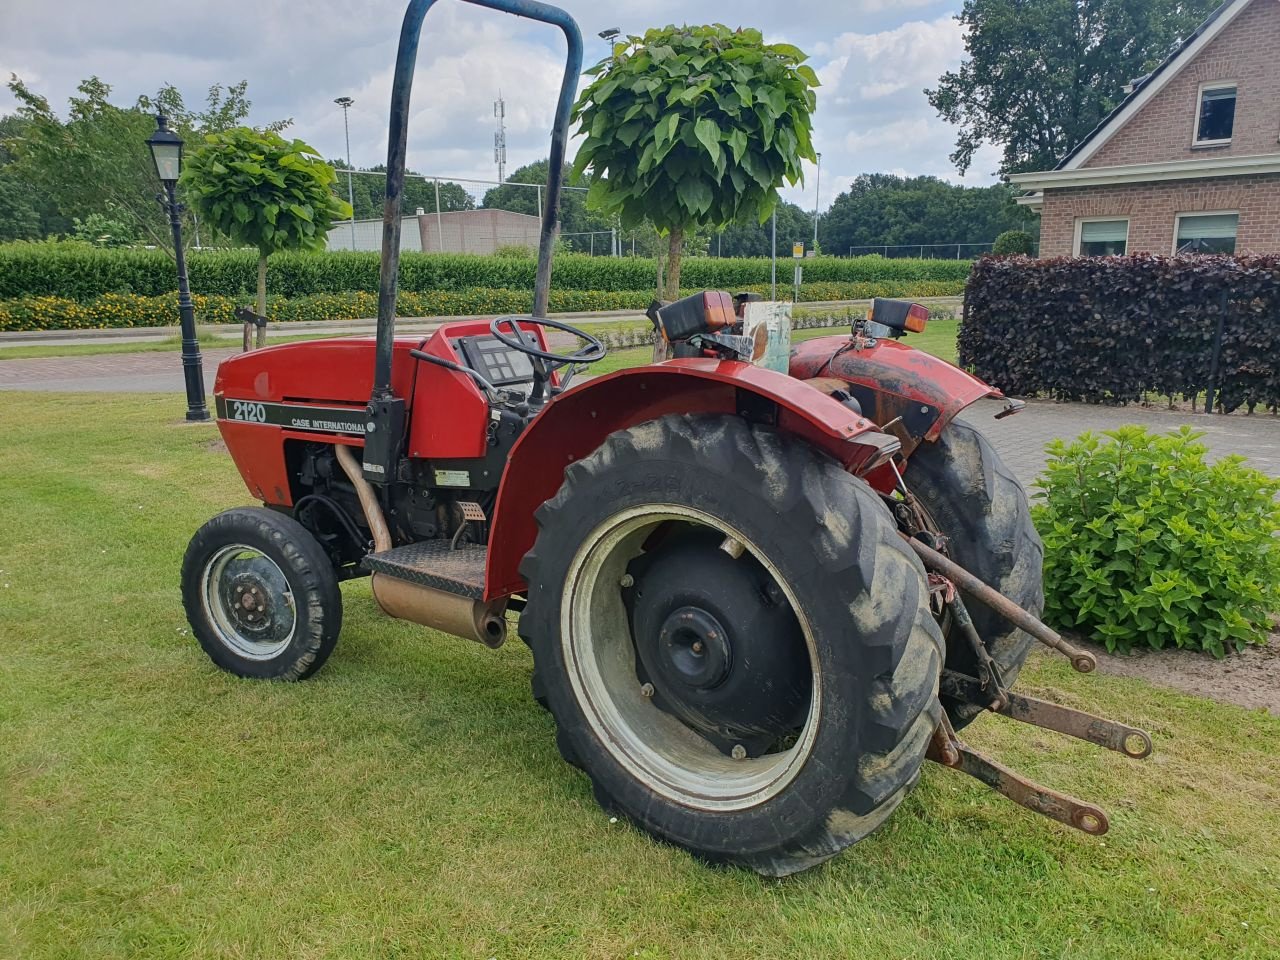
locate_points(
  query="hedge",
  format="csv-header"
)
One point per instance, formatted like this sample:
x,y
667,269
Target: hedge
x,y
1114,329
130,310
82,273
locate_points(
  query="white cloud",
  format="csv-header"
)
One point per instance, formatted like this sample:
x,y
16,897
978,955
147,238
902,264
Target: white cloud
x,y
872,114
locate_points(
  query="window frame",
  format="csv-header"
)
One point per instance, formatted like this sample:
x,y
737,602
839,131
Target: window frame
x,y
1178,217
1195,117
1081,221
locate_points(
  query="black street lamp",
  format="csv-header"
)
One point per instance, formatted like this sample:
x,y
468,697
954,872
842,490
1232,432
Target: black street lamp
x,y
166,150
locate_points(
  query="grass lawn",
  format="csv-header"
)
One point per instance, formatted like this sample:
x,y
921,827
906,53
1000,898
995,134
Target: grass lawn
x,y
409,801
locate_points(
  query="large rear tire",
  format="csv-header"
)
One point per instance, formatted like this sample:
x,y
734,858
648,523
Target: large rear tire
x,y
982,509
734,641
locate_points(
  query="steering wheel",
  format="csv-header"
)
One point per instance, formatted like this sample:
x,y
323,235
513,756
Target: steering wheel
x,y
593,351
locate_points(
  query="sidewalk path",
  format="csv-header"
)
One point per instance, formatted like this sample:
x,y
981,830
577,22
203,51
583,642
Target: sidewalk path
x,y
1019,439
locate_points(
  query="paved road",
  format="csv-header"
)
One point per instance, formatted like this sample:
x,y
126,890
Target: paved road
x,y
1020,439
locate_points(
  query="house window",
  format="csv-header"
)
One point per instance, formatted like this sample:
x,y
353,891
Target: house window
x,y
1102,238
1207,233
1217,113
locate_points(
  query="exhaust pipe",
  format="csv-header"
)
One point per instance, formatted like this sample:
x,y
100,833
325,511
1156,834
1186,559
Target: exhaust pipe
x,y
459,616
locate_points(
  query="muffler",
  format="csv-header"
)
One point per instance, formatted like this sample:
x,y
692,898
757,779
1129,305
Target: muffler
x,y
459,616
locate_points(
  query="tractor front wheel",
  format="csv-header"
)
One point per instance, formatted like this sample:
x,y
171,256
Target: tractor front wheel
x,y
734,641
261,595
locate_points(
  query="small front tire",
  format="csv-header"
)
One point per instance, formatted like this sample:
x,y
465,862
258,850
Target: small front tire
x,y
261,595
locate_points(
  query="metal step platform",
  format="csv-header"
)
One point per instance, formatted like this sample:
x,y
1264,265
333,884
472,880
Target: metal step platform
x,y
433,563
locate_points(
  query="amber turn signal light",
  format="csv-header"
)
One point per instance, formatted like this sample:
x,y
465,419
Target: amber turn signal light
x,y
917,317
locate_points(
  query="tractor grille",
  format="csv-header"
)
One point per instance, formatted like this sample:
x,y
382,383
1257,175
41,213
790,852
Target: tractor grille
x,y
432,563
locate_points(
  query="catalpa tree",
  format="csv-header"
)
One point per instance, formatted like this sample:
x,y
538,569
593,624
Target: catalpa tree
x,y
694,127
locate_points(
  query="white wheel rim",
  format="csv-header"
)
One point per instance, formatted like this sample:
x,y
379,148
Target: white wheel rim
x,y
248,602
654,747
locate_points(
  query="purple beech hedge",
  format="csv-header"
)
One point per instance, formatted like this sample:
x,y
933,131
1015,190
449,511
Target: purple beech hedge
x,y
1113,329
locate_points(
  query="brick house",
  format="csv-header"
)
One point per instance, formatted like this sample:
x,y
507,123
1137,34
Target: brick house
x,y
1188,161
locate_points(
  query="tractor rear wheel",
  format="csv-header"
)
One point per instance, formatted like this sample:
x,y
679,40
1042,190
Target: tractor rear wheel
x,y
981,508
261,595
734,641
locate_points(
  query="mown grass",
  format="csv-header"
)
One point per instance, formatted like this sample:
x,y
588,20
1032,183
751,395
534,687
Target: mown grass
x,y
409,801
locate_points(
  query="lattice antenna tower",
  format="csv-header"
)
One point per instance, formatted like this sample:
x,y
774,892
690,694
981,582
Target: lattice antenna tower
x,y
500,137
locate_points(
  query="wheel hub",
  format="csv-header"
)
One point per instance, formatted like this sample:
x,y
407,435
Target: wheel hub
x,y
719,644
249,602
693,649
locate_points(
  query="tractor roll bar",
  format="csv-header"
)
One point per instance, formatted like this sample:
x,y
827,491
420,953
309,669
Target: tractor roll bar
x,y
397,140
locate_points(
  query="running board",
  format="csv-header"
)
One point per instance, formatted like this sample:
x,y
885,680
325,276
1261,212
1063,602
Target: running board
x,y
436,564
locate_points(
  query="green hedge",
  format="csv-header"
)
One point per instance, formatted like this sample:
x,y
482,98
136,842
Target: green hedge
x,y
81,273
131,310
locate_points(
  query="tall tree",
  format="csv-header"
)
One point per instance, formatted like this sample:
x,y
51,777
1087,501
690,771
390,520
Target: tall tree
x,y
97,161
694,128
368,192
266,192
750,238
575,218
883,209
1040,74
26,211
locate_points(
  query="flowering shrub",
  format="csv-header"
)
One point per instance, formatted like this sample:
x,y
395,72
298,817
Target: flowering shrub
x,y
132,310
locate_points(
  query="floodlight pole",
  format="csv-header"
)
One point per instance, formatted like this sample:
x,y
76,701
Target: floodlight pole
x,y
817,202
345,103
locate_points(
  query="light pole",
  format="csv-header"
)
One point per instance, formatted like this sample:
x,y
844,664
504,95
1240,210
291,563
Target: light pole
x,y
817,193
345,103
608,35
166,151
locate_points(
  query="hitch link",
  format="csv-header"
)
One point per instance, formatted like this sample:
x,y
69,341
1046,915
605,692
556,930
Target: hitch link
x,y
949,750
1082,660
1123,739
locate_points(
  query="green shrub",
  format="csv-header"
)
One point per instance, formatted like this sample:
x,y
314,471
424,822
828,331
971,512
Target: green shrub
x,y
1012,242
516,250
1147,545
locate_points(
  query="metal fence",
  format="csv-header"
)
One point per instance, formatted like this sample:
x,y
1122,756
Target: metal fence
x,y
928,251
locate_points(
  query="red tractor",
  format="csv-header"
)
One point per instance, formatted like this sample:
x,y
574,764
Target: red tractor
x,y
745,591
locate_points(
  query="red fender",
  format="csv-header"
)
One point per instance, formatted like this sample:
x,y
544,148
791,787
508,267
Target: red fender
x,y
891,379
579,420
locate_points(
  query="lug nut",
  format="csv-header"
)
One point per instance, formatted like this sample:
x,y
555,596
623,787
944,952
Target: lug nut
x,y
627,580
739,752
697,646
646,690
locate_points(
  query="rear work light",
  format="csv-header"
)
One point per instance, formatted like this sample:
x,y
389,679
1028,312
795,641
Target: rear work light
x,y
706,312
899,314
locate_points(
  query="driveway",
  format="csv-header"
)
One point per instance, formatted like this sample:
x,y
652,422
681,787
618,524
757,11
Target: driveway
x,y
1019,439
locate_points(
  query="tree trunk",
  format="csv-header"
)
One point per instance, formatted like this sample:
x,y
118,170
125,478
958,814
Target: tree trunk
x,y
670,289
262,298
675,243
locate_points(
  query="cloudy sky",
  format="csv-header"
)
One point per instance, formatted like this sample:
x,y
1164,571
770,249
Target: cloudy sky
x,y
874,58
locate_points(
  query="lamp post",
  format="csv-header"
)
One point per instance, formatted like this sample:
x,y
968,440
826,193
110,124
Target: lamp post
x,y
608,35
166,151
817,194
345,103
